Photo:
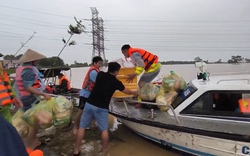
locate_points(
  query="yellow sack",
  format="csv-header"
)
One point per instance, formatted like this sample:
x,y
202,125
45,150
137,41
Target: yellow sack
x,y
173,82
40,115
149,92
21,126
62,111
166,99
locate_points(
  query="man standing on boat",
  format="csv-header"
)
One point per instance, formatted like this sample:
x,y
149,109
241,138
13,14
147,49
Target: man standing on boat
x,y
97,105
144,61
28,88
87,87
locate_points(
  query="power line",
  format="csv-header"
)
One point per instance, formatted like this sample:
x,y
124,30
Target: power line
x,y
29,19
38,24
35,11
162,21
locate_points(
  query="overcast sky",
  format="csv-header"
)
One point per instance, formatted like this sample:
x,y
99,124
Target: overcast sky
x,y
171,29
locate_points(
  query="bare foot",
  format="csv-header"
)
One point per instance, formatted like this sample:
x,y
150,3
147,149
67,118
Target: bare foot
x,y
76,152
138,105
32,144
104,153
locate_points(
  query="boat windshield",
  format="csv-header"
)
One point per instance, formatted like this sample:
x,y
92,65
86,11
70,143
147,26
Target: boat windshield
x,y
184,94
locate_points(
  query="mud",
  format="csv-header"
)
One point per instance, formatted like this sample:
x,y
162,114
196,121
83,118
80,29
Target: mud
x,y
122,142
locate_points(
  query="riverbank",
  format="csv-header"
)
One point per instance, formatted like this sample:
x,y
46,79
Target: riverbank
x,y
122,142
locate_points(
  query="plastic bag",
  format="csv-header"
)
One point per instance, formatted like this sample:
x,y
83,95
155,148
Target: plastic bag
x,y
166,99
40,115
56,111
62,111
173,82
21,126
149,92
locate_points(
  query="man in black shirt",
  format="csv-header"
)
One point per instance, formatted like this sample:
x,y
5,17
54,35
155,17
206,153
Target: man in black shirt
x,y
97,105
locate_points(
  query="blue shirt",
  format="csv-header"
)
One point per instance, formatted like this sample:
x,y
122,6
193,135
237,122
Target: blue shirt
x,y
85,92
10,142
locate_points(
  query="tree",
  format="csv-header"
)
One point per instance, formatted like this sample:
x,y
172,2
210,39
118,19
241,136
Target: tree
x,y
76,64
219,61
235,59
8,57
19,56
51,61
12,57
73,29
197,59
247,60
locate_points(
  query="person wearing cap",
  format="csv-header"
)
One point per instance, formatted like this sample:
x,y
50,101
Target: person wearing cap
x,y
97,105
28,87
7,95
144,61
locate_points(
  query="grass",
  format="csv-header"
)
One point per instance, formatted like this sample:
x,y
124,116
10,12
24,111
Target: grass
x,y
10,71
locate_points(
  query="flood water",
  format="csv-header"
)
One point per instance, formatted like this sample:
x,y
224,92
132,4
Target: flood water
x,y
133,145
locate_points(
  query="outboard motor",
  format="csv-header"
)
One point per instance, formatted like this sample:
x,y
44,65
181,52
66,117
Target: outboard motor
x,y
203,74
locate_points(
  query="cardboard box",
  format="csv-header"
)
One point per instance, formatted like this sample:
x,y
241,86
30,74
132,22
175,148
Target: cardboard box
x,y
122,76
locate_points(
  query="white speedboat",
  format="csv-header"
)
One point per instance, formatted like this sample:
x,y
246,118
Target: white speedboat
x,y
204,119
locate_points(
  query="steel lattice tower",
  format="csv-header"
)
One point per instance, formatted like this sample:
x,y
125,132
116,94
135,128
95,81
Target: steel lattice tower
x,y
98,35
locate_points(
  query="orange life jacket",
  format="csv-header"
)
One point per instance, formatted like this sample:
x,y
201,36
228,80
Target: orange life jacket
x,y
34,153
244,105
68,82
147,57
6,96
88,83
19,81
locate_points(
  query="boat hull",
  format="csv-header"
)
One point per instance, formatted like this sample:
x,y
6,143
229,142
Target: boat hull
x,y
188,142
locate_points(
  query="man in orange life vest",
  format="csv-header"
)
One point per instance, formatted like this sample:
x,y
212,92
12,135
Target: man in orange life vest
x,y
143,61
7,96
10,142
28,86
87,86
64,84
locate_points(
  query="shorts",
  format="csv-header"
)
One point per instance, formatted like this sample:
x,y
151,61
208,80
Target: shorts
x,y
91,112
82,101
149,77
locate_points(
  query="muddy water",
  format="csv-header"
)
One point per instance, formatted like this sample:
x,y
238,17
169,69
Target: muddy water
x,y
130,144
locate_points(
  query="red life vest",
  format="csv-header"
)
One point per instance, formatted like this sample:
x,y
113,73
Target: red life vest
x,y
68,82
147,57
19,81
6,96
244,105
88,83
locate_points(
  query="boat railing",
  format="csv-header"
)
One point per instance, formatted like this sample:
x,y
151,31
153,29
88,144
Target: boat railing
x,y
129,100
231,73
230,80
